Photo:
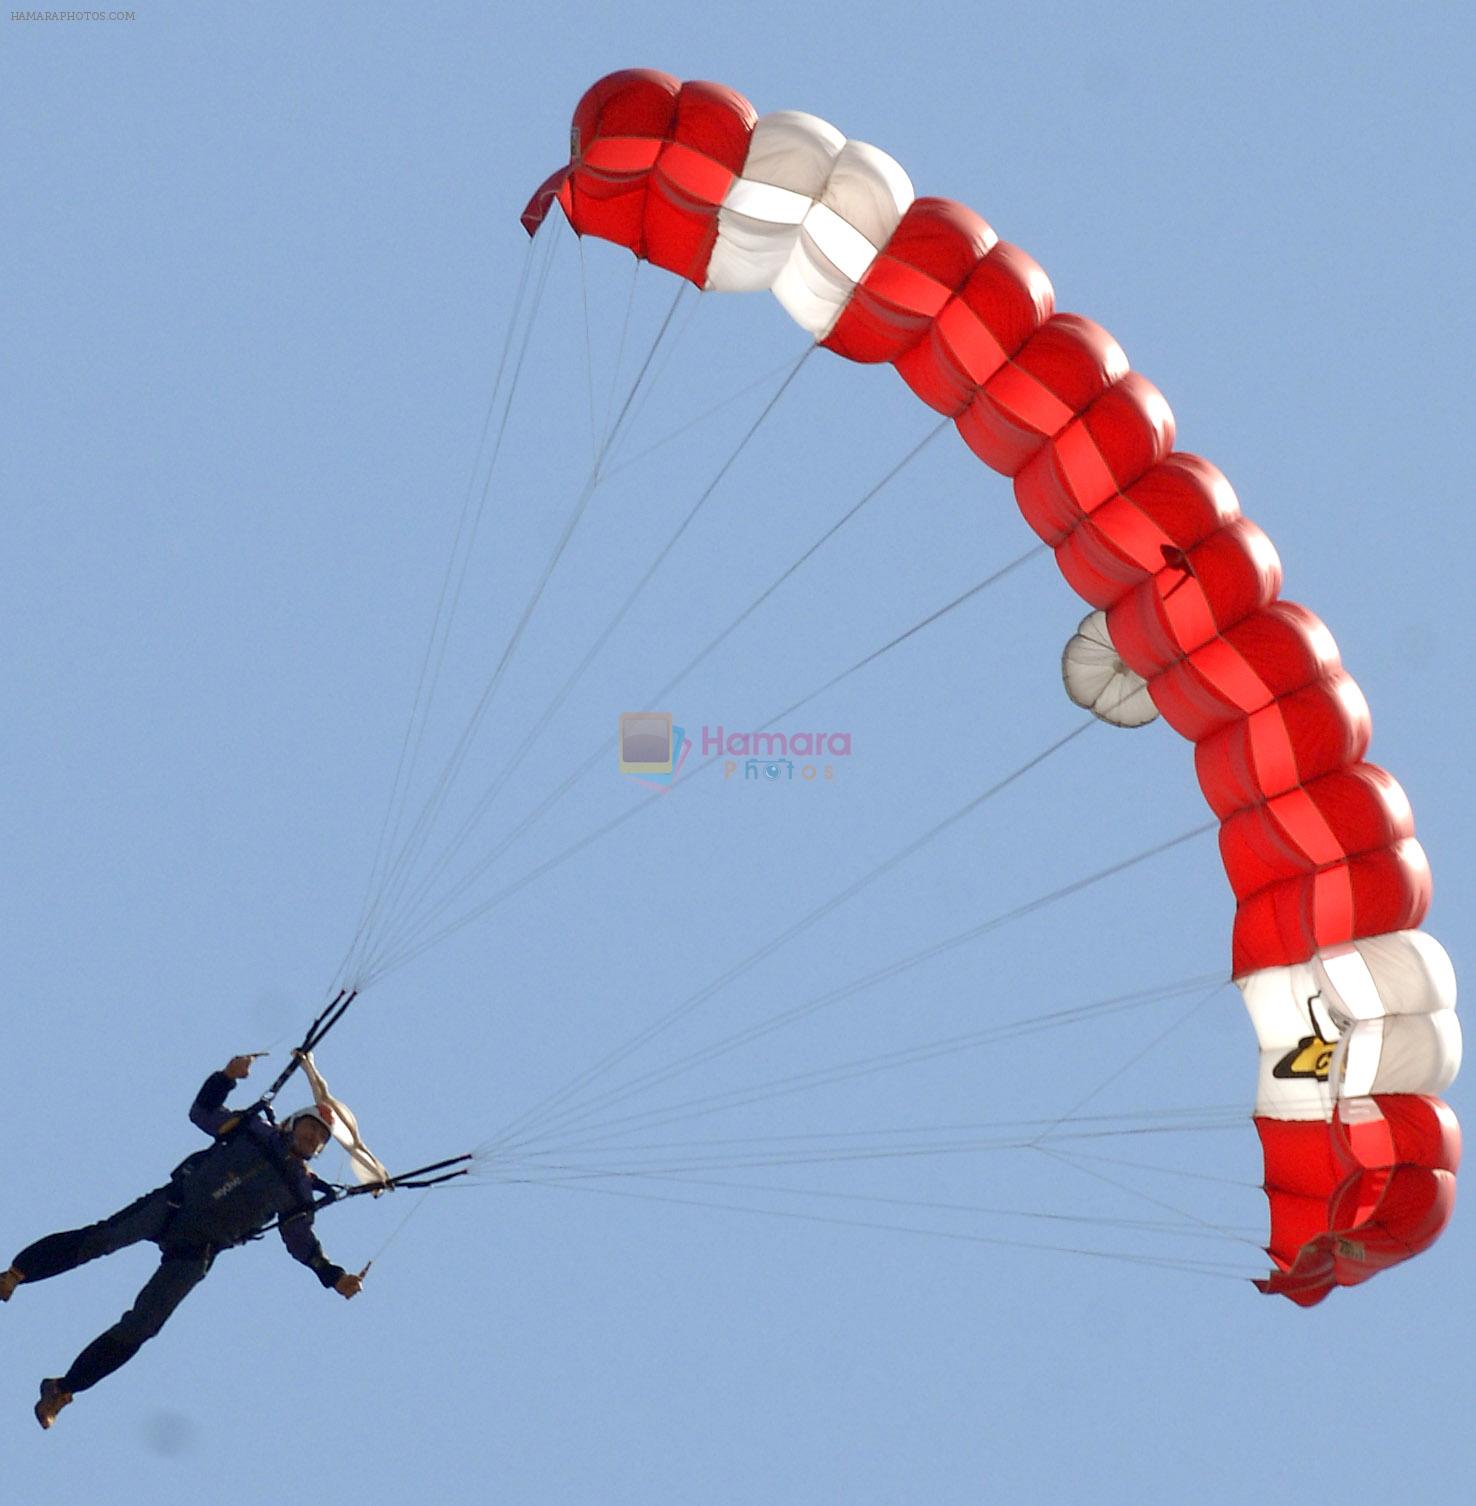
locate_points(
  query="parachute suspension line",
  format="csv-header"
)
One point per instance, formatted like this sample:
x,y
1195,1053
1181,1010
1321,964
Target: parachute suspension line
x,y
589,377
1010,1030
1175,1171
1041,1142
1065,1158
693,1162
601,751
749,1155
417,704
927,622
892,1160
430,812
796,565
409,954
411,925
640,389
1086,1127
717,1155
1146,1050
668,354
931,1205
1213,1269
433,660
543,1122
418,837
544,1113
672,435
829,1156
635,273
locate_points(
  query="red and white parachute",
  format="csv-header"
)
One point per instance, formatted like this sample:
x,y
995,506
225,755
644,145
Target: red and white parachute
x,y
1352,1003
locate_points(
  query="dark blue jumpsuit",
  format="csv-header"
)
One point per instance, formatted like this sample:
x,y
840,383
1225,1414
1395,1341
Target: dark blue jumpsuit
x,y
219,1197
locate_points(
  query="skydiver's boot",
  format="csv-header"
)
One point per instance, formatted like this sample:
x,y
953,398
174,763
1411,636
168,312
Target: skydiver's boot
x,y
8,1283
53,1399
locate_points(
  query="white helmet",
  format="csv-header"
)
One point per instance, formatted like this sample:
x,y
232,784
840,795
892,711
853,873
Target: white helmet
x,y
320,1113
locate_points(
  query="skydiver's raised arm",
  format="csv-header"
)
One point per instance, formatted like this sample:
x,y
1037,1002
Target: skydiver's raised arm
x,y
208,1112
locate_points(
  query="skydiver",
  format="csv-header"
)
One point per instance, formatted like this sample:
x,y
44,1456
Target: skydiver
x,y
255,1173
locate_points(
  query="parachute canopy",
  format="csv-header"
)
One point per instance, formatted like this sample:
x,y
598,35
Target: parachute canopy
x,y
1351,1002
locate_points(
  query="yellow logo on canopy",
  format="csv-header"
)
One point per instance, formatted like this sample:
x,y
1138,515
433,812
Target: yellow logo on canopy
x,y
1311,1057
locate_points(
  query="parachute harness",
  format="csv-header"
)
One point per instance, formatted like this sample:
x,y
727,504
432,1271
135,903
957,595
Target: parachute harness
x,y
370,1173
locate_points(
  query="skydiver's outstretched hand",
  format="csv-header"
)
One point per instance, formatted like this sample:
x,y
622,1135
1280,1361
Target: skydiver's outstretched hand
x,y
238,1067
348,1285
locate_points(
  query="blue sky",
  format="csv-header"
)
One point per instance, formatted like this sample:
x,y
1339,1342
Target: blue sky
x,y
259,268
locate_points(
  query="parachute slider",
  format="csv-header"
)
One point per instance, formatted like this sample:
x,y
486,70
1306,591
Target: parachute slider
x,y
1098,681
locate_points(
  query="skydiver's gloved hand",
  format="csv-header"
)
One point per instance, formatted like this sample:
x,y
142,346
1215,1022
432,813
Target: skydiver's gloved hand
x,y
239,1067
348,1285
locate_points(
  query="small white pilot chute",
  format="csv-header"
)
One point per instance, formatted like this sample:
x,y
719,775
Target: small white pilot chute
x,y
1099,682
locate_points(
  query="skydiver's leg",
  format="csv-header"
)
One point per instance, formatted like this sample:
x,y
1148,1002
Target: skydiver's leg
x,y
176,1278
143,1219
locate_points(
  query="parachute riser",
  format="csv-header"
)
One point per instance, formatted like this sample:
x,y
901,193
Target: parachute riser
x,y
330,1015
417,1178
